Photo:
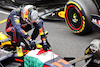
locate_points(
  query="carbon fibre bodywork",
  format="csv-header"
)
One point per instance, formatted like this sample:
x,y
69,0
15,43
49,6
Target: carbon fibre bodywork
x,y
48,9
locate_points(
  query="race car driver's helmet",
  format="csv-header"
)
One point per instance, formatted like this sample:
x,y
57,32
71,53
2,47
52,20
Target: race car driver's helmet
x,y
29,13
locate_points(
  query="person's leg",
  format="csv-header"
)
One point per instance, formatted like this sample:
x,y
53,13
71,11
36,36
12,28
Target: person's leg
x,y
35,33
16,40
36,30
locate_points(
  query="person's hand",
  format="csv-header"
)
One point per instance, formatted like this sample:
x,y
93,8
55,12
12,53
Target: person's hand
x,y
32,44
46,46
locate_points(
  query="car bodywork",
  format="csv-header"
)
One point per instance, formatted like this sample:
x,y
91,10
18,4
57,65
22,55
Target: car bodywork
x,y
34,2
97,3
48,8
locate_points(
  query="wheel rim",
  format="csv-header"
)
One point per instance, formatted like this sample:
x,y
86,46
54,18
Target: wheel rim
x,y
74,17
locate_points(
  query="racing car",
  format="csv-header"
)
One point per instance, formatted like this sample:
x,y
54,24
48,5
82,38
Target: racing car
x,y
48,9
35,58
78,15
31,58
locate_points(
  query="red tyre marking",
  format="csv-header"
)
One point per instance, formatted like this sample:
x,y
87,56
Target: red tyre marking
x,y
68,19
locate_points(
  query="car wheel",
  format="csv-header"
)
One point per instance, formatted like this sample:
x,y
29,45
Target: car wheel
x,y
78,15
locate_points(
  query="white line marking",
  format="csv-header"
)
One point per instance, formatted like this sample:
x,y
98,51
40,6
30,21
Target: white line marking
x,y
4,12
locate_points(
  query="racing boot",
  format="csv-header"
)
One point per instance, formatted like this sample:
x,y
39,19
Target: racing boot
x,y
38,46
19,51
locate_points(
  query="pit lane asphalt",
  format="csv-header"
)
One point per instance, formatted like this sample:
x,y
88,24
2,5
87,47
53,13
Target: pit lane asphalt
x,y
63,41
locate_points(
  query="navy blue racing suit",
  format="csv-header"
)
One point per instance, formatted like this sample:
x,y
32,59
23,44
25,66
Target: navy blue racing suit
x,y
17,28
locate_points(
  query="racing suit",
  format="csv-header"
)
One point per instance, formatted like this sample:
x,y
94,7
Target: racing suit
x,y
17,28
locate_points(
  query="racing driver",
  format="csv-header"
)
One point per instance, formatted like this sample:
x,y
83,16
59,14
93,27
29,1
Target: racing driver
x,y
22,20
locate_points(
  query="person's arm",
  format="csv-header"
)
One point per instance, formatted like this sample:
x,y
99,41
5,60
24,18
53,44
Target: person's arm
x,y
39,24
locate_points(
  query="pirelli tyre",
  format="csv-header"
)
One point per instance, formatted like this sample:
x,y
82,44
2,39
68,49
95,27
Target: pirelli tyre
x,y
78,15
